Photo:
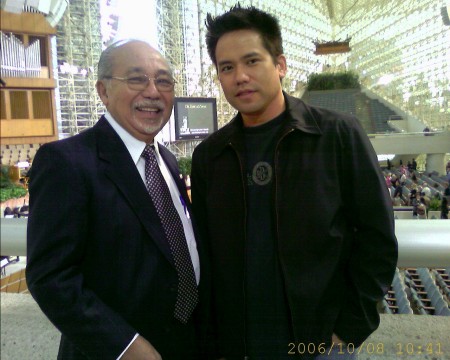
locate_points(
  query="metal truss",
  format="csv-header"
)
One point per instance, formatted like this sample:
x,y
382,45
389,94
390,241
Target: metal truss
x,y
79,45
181,39
400,51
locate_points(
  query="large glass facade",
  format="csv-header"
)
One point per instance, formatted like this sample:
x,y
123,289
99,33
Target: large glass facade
x,y
399,49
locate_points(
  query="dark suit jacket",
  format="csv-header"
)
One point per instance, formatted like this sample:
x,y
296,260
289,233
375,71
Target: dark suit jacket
x,y
99,265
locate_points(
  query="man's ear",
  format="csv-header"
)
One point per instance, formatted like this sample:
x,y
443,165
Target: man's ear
x,y
281,65
102,91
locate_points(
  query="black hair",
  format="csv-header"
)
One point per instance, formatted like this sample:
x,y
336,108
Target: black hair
x,y
249,18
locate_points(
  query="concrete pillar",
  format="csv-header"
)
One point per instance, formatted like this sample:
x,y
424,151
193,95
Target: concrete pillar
x,y
435,162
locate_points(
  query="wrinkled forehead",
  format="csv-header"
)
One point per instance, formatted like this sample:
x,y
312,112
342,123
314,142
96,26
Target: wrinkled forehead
x,y
140,57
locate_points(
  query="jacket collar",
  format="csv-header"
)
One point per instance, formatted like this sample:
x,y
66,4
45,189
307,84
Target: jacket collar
x,y
300,118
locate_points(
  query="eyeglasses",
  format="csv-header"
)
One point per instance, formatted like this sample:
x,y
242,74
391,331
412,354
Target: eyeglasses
x,y
140,83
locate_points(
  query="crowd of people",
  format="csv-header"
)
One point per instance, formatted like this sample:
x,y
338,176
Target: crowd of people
x,y
407,188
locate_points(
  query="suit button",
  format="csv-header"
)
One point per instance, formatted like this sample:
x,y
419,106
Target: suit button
x,y
173,288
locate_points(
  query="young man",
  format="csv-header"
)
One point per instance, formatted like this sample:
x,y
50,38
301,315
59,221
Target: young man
x,y
103,262
296,215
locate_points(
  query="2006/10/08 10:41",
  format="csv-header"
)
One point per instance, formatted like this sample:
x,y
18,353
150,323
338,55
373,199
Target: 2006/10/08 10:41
x,y
365,348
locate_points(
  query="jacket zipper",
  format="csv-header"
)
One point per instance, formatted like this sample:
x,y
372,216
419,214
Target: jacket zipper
x,y
245,252
283,270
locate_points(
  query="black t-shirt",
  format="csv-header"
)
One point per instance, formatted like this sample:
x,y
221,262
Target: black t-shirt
x,y
267,314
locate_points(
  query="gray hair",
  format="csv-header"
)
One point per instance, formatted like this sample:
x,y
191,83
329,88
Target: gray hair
x,y
106,61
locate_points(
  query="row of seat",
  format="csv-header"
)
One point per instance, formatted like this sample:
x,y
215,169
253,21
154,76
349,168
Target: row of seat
x,y
419,293
17,212
442,277
396,300
421,179
424,292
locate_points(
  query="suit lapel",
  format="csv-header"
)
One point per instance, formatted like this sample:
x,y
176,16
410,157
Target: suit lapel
x,y
119,167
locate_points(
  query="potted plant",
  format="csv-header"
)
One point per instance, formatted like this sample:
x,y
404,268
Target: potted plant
x,y
184,163
9,189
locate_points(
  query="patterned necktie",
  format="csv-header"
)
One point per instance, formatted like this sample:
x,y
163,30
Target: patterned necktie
x,y
187,296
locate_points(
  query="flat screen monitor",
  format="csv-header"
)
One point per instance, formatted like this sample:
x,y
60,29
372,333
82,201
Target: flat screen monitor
x,y
195,118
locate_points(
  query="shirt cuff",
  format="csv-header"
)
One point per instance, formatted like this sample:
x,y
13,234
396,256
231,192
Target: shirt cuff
x,y
132,341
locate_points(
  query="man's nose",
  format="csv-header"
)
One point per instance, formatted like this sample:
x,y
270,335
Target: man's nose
x,y
241,75
151,90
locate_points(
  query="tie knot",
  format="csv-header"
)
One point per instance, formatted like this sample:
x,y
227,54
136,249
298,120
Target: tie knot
x,y
149,152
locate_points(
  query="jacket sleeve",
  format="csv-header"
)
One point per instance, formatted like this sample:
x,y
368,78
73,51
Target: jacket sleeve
x,y
198,193
374,249
198,189
57,238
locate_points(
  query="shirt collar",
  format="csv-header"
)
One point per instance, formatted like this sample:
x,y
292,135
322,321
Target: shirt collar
x,y
135,147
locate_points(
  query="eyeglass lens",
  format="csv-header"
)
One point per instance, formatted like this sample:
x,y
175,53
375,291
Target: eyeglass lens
x,y
141,83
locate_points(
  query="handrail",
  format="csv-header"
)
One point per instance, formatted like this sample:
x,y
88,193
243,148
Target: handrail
x,y
421,243
13,236
421,133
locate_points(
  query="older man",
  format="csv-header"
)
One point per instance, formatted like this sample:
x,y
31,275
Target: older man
x,y
112,257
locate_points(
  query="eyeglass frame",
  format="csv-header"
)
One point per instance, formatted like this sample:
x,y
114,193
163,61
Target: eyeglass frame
x,y
139,88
